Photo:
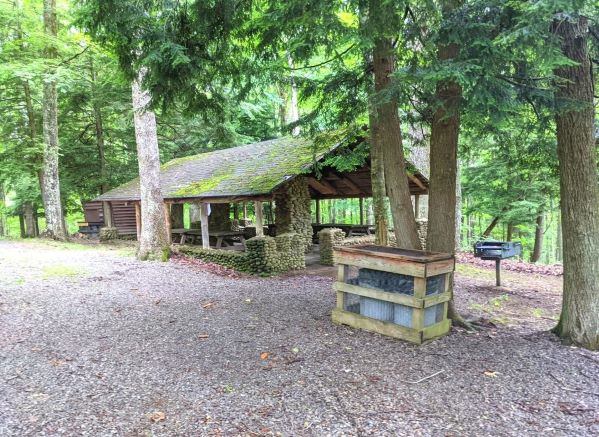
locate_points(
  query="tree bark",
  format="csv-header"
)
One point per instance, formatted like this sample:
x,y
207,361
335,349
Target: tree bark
x,y
294,100
99,126
490,228
29,219
153,242
510,232
2,213
445,128
388,137
377,178
576,148
538,246
50,178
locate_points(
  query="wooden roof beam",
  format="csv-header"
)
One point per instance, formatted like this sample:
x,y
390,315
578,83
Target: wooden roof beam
x,y
322,186
417,181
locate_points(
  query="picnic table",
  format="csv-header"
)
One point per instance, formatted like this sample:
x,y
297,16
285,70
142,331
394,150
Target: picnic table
x,y
350,230
225,238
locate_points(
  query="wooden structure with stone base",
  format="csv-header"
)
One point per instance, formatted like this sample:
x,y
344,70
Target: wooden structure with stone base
x,y
395,292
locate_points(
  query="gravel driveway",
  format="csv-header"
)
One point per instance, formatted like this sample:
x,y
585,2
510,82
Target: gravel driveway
x,y
95,343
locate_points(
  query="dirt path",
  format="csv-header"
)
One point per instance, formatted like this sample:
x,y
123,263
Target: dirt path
x,y
95,343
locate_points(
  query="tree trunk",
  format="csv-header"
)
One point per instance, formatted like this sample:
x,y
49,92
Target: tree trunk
x,y
576,148
445,128
458,205
153,242
99,125
490,228
377,178
294,101
51,183
510,232
558,239
2,212
22,224
539,234
388,136
29,219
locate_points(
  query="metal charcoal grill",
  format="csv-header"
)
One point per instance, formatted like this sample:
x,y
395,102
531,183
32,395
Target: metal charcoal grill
x,y
497,250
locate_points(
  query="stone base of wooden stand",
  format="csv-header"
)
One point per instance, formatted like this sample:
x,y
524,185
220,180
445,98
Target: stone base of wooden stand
x,y
107,234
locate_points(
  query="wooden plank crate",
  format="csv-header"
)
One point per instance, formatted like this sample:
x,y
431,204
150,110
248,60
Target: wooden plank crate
x,y
396,292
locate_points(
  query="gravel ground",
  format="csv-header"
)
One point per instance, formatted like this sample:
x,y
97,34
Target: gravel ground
x,y
96,343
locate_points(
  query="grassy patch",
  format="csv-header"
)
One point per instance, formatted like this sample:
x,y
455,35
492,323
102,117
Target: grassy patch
x,y
62,271
474,272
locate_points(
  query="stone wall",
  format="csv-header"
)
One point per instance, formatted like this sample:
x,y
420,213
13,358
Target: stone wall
x,y
292,213
263,255
107,234
330,237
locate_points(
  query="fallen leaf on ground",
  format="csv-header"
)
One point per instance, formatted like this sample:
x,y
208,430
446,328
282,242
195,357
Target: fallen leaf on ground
x,y
208,305
491,373
157,416
295,350
264,355
248,301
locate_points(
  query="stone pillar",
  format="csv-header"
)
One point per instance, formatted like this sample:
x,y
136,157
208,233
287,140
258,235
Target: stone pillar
x,y
177,221
219,218
293,210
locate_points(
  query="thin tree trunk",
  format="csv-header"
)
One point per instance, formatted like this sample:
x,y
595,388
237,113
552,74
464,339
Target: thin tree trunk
x,y
51,183
154,243
2,211
294,100
377,178
558,239
490,228
510,232
576,148
22,224
99,125
445,129
539,234
458,205
388,137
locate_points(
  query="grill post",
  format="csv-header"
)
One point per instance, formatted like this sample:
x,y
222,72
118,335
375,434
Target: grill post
x,y
498,272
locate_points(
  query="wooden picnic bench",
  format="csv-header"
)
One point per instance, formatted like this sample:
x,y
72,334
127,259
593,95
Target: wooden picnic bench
x,y
350,230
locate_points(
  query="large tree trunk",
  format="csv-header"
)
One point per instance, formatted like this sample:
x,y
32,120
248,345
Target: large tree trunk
x,y
51,183
388,140
538,247
29,219
576,148
153,242
377,180
445,128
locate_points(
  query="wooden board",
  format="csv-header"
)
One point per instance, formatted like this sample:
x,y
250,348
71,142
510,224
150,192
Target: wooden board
x,y
386,328
374,293
418,256
380,263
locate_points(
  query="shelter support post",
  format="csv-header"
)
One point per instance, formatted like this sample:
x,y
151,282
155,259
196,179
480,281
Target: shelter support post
x,y
204,222
177,216
317,211
417,206
107,211
245,211
167,222
138,220
361,210
259,221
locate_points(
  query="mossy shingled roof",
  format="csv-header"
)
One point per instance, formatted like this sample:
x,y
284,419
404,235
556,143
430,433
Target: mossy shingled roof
x,y
249,170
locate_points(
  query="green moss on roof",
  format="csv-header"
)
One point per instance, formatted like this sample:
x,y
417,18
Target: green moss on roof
x,y
247,170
